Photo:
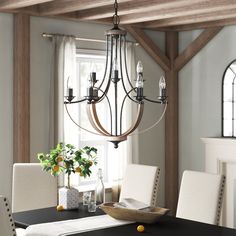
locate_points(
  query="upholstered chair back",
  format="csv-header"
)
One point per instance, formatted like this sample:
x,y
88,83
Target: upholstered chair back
x,y
32,187
141,182
7,226
200,197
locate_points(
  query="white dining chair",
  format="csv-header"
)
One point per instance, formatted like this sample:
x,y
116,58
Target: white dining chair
x,y
7,226
141,182
200,197
32,187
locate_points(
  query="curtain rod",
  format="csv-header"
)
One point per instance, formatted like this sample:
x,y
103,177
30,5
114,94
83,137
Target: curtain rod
x,y
46,35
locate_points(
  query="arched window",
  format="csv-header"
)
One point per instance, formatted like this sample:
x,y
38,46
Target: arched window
x,y
229,101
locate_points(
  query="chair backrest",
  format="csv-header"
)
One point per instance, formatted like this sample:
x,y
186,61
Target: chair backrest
x,y
200,197
7,226
32,187
141,182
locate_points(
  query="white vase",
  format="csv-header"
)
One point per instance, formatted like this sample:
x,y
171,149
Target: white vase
x,y
69,198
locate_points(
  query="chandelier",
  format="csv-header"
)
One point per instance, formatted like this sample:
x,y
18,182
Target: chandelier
x,y
116,76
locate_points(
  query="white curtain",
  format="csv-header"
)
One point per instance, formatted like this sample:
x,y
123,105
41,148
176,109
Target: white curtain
x,y
128,150
64,67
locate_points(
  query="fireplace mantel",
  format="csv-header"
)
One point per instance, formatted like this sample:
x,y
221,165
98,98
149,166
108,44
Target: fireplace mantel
x,y
220,158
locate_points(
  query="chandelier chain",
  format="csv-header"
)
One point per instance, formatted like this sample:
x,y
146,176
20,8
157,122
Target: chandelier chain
x,y
116,18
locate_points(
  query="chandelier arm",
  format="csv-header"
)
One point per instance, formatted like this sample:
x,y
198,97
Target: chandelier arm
x,y
123,83
109,105
155,124
94,120
155,101
137,121
109,81
121,109
126,69
105,71
89,131
127,93
78,101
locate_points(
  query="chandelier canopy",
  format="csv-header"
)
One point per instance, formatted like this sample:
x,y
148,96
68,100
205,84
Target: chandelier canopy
x,y
116,76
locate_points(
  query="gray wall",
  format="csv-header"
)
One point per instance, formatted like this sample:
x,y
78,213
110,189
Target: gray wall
x,y
200,95
6,108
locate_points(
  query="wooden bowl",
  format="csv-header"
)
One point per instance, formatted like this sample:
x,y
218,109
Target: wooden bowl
x,y
141,216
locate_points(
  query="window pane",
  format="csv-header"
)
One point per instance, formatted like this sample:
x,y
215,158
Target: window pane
x,y
228,92
229,76
227,110
227,127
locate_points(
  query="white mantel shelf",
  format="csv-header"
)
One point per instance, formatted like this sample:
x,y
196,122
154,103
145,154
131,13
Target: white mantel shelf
x,y
220,158
219,140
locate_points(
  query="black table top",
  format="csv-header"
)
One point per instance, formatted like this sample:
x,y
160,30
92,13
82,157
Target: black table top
x,y
46,215
166,226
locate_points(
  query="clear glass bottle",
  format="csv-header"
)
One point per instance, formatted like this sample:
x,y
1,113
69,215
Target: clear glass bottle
x,y
100,190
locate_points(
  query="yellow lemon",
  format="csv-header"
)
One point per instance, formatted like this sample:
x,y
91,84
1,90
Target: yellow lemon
x,y
55,168
60,208
59,159
78,169
140,228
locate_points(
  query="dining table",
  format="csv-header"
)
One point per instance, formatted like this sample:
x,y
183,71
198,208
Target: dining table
x,y
166,226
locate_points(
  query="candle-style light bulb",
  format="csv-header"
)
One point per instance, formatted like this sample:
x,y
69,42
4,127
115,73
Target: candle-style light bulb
x,y
139,67
162,87
69,87
162,82
139,80
115,70
115,64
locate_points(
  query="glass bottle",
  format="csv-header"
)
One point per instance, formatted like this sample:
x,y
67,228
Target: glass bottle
x,y
100,190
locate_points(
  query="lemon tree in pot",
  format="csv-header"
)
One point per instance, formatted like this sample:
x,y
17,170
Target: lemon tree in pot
x,y
65,158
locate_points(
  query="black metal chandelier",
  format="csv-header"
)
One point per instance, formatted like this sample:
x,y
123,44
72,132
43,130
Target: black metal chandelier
x,y
115,69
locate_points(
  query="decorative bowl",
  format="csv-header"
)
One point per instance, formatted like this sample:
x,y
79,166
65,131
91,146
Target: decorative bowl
x,y
141,216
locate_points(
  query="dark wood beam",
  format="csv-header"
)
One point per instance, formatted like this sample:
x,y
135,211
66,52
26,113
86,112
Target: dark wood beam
x,y
131,7
14,4
186,9
192,19
171,126
21,87
195,47
150,47
62,6
201,25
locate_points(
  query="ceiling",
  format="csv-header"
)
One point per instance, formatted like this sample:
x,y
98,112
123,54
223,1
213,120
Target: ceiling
x,y
165,15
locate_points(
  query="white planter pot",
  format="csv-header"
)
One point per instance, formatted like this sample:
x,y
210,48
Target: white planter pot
x,y
69,198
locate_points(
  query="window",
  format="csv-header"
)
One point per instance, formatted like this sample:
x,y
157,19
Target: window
x,y
86,61
228,101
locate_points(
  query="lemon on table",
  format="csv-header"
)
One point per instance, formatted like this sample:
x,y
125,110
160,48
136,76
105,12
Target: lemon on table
x,y
140,228
60,208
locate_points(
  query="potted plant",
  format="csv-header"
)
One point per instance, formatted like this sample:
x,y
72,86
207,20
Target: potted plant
x,y
65,158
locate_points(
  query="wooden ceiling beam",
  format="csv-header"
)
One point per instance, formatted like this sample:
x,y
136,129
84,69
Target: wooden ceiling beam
x,y
133,7
15,4
195,8
195,47
198,18
151,48
62,6
201,25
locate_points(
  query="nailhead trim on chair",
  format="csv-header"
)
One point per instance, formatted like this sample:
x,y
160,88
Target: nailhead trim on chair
x,y
155,189
10,216
220,200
